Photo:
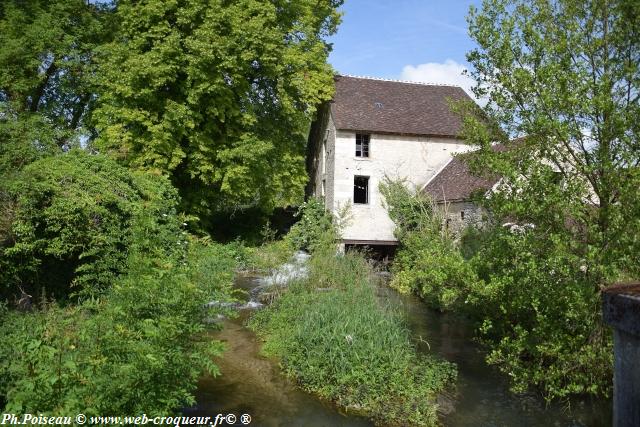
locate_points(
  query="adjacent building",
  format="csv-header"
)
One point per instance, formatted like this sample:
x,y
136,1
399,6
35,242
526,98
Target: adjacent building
x,y
454,189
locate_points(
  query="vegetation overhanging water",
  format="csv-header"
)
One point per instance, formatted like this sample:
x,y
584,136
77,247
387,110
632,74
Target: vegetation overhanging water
x,y
253,384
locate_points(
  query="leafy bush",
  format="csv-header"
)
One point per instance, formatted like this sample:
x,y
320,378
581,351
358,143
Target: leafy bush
x,y
427,261
432,268
533,293
139,348
135,342
315,227
337,339
541,314
71,219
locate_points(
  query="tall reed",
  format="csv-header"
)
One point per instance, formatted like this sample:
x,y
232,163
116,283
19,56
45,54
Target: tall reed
x,y
339,340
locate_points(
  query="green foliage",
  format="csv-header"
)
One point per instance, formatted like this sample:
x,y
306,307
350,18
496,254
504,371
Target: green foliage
x,y
409,213
337,339
434,269
315,230
473,239
71,222
135,342
138,349
533,295
269,255
46,71
571,182
427,261
315,227
579,159
541,314
218,95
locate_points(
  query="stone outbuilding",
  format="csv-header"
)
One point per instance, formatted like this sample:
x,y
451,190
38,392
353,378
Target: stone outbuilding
x,y
453,189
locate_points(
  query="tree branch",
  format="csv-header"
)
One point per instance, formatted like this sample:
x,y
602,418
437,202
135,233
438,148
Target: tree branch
x,y
39,91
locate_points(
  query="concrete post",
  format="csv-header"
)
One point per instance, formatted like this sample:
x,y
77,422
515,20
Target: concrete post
x,y
621,310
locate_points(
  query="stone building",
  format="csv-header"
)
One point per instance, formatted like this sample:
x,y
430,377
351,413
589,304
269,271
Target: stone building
x,y
375,128
453,190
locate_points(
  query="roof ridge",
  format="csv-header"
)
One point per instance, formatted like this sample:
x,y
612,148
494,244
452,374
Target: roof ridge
x,y
382,79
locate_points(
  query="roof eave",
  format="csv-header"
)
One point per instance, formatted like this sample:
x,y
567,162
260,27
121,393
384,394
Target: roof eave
x,y
382,132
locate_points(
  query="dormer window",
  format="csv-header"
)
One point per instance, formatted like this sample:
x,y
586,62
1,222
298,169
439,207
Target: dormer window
x,y
362,144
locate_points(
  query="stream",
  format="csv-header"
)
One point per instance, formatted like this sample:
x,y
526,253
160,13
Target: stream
x,y
251,384
484,399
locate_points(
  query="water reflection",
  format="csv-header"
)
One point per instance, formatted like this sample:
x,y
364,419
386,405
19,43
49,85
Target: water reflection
x,y
253,385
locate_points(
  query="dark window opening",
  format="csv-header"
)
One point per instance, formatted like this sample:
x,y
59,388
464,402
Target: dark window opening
x,y
362,145
361,189
462,215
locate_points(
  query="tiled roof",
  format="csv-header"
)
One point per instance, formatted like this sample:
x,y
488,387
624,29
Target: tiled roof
x,y
385,106
455,182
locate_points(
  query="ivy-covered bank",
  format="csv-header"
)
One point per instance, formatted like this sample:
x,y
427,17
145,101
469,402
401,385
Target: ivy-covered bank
x,y
333,335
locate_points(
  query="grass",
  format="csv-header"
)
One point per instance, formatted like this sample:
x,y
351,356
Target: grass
x,y
338,340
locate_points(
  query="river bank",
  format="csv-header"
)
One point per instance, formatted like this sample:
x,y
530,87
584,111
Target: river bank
x,y
253,384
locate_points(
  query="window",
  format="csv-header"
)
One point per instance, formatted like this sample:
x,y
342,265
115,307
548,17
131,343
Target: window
x,y
462,215
361,189
362,145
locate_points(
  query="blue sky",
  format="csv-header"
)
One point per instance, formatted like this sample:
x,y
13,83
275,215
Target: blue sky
x,y
419,40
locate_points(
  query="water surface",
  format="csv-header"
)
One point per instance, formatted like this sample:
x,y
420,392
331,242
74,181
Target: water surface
x,y
251,384
484,399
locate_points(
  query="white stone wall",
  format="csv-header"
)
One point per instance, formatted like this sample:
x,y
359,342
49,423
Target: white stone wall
x,y
413,158
329,161
324,178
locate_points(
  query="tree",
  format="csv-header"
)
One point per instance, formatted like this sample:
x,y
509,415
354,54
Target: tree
x,y
46,72
217,95
565,76
71,223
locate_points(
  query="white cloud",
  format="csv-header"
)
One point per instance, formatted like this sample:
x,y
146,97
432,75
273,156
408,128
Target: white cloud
x,y
449,72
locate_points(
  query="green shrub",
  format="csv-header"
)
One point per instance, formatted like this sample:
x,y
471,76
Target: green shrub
x,y
427,261
136,339
540,312
338,340
534,294
432,268
314,228
71,219
139,348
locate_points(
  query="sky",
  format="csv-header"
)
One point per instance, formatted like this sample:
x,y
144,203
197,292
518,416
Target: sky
x,y
417,40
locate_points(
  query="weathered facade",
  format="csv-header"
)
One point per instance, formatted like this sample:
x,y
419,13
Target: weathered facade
x,y
375,128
